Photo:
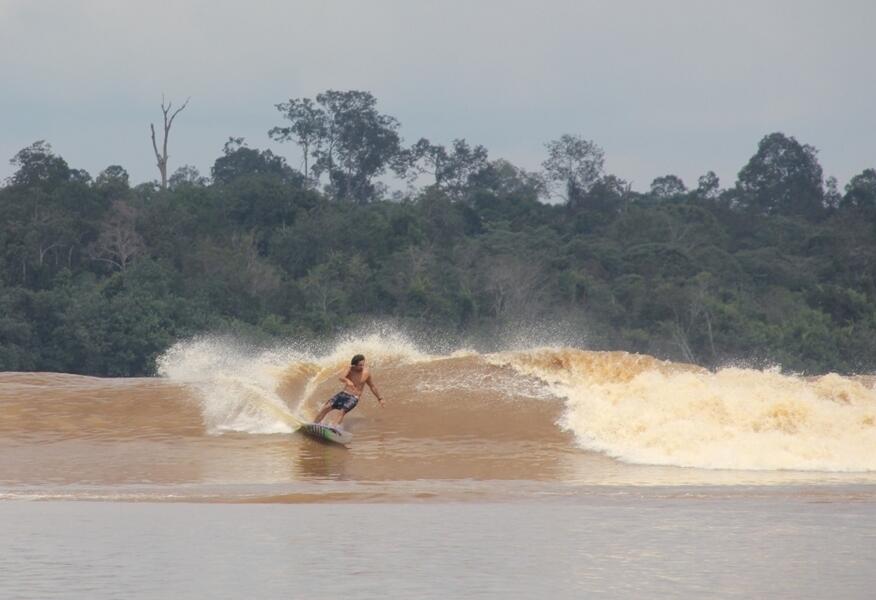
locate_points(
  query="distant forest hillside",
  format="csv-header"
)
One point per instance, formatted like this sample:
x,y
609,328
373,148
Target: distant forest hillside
x,y
99,277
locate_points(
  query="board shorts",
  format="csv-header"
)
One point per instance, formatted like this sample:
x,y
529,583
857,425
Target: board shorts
x,y
344,401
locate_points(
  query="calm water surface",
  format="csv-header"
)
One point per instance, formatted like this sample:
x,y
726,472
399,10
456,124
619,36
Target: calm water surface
x,y
607,547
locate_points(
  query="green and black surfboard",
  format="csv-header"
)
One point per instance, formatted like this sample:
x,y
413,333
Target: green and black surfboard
x,y
327,432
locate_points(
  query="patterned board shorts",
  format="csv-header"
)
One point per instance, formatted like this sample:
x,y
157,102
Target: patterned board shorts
x,y
344,401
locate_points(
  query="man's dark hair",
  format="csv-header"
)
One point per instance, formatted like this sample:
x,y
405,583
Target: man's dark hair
x,y
357,359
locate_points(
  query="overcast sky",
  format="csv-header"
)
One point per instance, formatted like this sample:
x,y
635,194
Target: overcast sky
x,y
663,86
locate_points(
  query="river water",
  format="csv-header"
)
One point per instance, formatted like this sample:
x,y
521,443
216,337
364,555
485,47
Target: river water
x,y
541,470
605,547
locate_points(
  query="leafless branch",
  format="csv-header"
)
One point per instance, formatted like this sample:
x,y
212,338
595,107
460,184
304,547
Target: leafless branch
x,y
161,157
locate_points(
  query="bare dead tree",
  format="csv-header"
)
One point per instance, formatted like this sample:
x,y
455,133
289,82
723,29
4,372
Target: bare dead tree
x,y
118,242
516,287
161,157
693,307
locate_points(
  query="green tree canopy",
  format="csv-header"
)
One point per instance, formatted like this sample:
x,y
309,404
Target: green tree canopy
x,y
783,177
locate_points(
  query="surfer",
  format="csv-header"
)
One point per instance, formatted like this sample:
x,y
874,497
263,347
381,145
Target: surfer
x,y
354,378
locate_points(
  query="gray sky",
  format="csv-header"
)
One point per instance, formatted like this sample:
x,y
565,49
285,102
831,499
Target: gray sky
x,y
663,86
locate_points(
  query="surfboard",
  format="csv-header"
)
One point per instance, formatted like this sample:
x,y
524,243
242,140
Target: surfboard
x,y
327,432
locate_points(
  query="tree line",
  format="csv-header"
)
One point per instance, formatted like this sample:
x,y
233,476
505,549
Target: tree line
x,y
99,276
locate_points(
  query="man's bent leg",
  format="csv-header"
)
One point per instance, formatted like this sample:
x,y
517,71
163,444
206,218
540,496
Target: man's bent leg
x,y
326,409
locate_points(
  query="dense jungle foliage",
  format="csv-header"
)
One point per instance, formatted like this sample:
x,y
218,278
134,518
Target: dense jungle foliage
x,y
99,277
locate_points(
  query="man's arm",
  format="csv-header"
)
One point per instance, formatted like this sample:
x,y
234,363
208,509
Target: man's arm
x,y
374,391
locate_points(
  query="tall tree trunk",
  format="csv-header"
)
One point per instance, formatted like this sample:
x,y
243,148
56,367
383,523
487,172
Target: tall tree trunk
x,y
161,157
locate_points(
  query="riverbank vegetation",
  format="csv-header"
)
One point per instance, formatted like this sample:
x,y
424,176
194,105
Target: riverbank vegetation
x,y
99,276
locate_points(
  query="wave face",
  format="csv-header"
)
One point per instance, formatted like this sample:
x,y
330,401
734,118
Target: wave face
x,y
223,414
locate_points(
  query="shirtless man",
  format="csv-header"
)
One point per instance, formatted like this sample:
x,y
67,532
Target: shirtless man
x,y
354,379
